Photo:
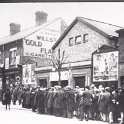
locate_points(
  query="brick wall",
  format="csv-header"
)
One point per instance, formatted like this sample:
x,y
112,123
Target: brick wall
x,y
83,51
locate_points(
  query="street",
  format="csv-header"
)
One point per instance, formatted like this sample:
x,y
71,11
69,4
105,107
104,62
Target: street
x,y
19,115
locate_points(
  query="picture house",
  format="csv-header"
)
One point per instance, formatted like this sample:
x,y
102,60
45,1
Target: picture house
x,y
91,50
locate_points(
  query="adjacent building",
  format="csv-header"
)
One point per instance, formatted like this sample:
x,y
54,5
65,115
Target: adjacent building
x,y
121,55
22,51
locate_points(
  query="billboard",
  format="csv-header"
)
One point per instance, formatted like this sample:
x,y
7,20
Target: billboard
x,y
105,66
39,44
28,74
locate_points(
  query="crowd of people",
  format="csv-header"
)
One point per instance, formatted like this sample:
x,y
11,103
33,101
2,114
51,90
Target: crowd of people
x,y
96,103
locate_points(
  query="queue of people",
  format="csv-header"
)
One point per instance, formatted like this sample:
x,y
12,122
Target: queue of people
x,y
96,103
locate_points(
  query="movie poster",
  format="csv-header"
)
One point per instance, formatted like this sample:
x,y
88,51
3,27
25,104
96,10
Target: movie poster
x,y
105,66
28,74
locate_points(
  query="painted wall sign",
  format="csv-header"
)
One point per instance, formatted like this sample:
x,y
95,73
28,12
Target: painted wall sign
x,y
35,43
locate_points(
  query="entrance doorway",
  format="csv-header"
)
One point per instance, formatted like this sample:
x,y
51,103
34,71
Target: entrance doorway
x,y
54,83
80,81
64,83
43,82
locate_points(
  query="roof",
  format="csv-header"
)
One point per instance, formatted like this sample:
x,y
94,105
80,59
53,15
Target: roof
x,y
106,29
104,49
41,62
29,31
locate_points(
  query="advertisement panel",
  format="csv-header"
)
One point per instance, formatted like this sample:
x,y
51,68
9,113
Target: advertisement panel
x,y
55,77
6,63
40,43
105,66
28,75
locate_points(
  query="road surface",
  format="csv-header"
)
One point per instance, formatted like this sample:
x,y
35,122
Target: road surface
x,y
19,115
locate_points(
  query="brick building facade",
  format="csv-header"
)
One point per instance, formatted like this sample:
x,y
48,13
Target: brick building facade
x,y
79,41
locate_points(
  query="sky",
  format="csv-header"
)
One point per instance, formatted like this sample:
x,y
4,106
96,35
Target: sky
x,y
24,13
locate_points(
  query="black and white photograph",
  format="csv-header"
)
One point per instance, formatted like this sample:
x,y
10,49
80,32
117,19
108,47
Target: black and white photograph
x,y
62,63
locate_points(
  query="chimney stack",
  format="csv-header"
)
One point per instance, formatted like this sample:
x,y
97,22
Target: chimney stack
x,y
14,28
40,17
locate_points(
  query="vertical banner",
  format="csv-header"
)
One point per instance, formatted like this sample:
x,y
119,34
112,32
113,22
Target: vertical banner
x,y
17,60
28,74
6,63
12,56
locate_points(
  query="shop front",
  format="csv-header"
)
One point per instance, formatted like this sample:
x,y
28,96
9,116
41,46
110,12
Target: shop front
x,y
54,78
13,76
82,76
42,76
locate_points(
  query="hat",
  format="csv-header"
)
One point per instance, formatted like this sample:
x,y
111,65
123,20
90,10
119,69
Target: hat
x,y
107,88
92,86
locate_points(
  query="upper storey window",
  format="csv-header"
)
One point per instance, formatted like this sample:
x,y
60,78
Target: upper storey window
x,y
78,39
85,38
12,56
71,41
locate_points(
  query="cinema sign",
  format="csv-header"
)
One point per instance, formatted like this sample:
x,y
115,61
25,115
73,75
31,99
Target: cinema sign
x,y
35,43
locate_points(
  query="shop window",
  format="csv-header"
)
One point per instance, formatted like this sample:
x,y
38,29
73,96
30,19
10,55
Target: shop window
x,y
12,56
78,39
85,38
71,41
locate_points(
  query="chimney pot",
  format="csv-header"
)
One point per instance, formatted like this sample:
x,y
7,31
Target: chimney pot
x,y
40,17
14,28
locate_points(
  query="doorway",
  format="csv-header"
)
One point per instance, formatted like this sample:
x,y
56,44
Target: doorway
x,y
80,81
43,83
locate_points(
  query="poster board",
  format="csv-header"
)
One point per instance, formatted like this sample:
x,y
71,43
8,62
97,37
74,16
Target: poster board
x,y
105,66
28,74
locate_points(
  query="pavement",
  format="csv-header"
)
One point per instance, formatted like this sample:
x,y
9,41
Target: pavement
x,y
19,115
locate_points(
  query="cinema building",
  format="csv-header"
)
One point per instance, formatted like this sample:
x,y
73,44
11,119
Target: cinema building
x,y
22,51
79,41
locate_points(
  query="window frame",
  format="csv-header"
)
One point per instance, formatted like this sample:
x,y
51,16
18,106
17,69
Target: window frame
x,y
78,36
85,37
71,43
12,56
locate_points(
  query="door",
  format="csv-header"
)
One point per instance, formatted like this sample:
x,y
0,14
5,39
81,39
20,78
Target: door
x,y
80,81
43,82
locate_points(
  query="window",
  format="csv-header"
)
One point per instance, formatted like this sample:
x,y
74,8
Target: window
x,y
12,56
71,41
43,50
78,39
85,38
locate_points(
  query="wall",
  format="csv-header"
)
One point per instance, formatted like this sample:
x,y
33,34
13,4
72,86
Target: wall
x,y
15,44
83,51
121,47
